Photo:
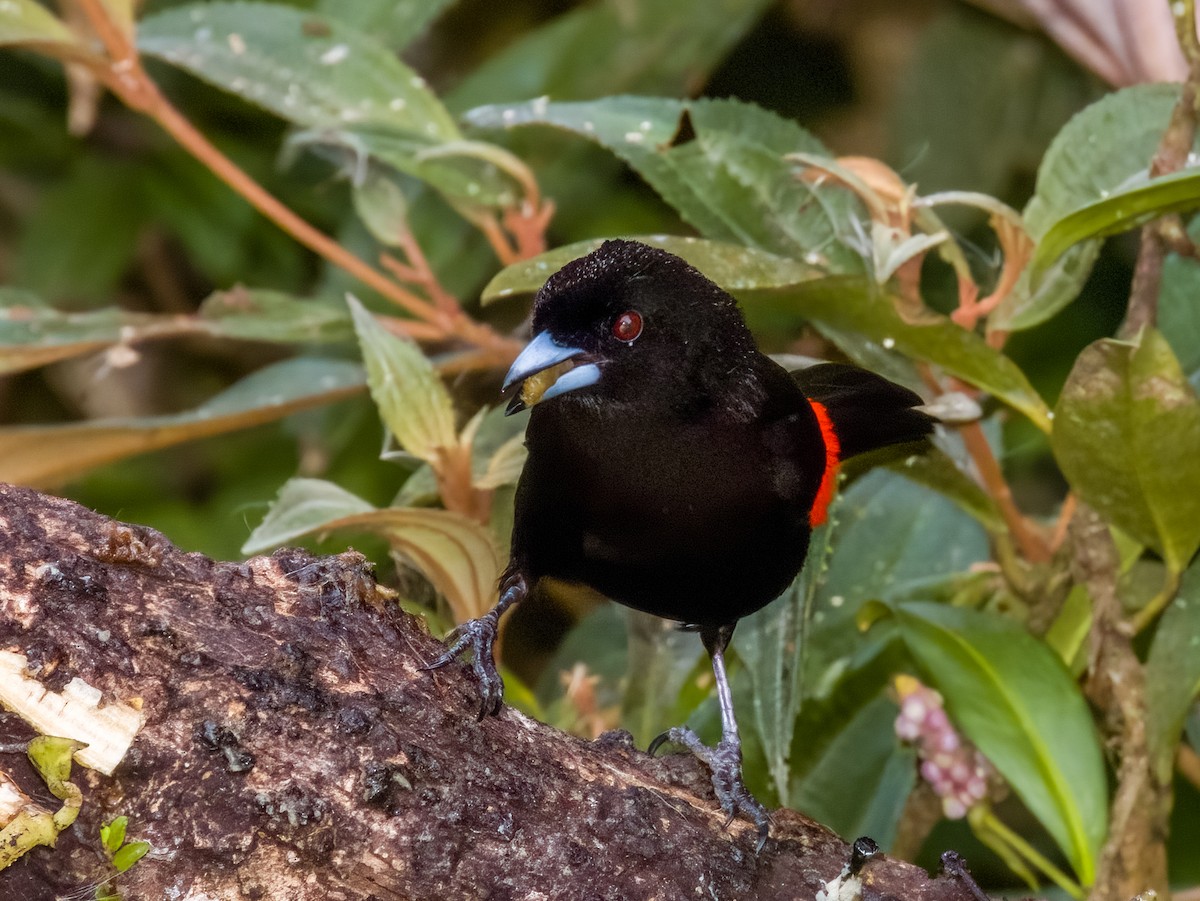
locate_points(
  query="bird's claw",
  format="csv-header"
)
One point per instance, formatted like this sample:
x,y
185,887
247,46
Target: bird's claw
x,y
477,636
725,761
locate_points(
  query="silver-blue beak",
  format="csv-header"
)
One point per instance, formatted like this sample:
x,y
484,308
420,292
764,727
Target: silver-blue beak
x,y
541,354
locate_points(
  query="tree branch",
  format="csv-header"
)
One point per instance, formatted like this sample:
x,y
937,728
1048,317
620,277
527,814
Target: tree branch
x,y
292,747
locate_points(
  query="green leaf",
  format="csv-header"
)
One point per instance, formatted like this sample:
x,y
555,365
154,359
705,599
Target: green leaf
x,y
308,69
1130,206
497,448
382,207
34,334
264,396
27,22
1127,426
934,469
273,316
32,826
471,173
732,266
1014,699
1027,306
771,646
1173,674
457,555
857,305
129,854
660,662
51,756
411,398
113,835
729,177
396,23
860,782
1068,633
302,507
891,538
657,47
1178,312
1099,152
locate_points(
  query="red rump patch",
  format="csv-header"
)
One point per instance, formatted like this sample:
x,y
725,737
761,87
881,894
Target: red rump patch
x,y
833,449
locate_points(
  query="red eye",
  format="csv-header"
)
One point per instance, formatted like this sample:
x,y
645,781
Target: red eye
x,y
627,326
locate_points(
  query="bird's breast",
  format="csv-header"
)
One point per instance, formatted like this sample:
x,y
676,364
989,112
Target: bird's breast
x,y
680,519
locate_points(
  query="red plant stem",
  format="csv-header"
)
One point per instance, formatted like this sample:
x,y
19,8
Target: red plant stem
x,y
126,78
1032,546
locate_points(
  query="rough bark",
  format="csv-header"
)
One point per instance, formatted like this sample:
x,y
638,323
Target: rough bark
x,y
293,748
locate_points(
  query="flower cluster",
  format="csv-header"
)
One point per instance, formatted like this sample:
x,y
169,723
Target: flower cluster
x,y
955,769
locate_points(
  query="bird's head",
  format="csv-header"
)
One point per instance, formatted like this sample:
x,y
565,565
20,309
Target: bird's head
x,y
625,320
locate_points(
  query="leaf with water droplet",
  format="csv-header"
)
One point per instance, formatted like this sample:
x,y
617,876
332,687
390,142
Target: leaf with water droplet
x,y
721,163
1129,207
1127,427
734,267
858,305
396,23
1103,148
33,334
277,58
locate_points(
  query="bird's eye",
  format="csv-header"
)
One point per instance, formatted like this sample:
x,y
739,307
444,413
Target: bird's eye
x,y
627,326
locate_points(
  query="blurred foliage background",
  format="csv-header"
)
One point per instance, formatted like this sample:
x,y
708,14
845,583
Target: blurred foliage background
x,y
950,96
107,219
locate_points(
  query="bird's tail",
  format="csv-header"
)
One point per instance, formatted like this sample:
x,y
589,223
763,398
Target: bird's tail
x,y
858,411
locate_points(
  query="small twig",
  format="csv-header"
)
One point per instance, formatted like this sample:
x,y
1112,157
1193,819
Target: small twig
x,y
1033,546
1063,524
505,252
1187,762
1156,604
426,277
1171,156
126,78
527,224
1134,856
1176,238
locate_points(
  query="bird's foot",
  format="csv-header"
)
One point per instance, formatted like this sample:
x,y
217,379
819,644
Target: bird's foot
x,y
725,761
477,636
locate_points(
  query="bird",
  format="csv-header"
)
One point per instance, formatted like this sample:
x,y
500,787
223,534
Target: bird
x,y
672,467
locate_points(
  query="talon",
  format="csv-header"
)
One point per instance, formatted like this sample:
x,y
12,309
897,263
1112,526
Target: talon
x,y
725,762
477,636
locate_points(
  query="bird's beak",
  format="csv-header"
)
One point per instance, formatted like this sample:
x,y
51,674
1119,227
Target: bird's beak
x,y
547,369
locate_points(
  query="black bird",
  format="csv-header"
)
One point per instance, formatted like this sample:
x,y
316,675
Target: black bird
x,y
673,467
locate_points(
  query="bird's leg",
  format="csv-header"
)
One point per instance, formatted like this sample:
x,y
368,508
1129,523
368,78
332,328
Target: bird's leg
x,y
725,760
479,636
